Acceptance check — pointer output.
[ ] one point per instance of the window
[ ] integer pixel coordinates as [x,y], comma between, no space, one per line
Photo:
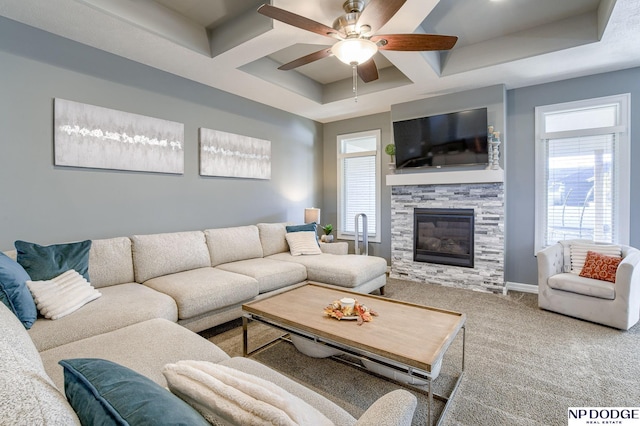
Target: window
[582,171]
[359,183]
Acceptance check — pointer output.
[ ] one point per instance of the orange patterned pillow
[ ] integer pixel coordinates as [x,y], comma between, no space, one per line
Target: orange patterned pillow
[600,267]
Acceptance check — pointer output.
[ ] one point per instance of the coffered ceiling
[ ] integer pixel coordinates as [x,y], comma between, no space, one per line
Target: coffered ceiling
[226,44]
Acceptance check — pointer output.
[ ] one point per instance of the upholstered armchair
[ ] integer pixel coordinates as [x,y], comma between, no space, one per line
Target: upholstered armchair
[612,304]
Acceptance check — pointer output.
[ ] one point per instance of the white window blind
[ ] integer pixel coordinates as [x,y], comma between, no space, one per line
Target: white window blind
[582,171]
[359,183]
[581,191]
[359,195]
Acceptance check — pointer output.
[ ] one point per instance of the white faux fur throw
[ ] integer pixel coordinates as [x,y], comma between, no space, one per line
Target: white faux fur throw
[62,295]
[220,392]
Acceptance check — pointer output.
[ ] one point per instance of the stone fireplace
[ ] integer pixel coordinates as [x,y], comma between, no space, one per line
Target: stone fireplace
[419,244]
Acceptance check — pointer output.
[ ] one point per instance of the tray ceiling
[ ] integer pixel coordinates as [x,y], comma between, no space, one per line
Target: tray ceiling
[226,44]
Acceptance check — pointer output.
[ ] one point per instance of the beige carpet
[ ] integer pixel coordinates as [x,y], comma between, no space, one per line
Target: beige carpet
[523,366]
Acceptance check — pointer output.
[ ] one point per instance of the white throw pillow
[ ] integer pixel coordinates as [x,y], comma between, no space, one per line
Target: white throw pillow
[62,295]
[302,242]
[579,253]
[222,393]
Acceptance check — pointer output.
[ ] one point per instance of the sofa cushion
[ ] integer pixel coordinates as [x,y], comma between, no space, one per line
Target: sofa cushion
[233,244]
[130,346]
[119,306]
[111,262]
[62,295]
[340,248]
[270,274]
[346,271]
[105,393]
[332,411]
[396,407]
[14,292]
[302,243]
[222,393]
[205,289]
[272,238]
[161,254]
[46,262]
[580,285]
[27,394]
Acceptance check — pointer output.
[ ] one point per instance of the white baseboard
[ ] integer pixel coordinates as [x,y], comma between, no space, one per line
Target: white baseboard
[524,288]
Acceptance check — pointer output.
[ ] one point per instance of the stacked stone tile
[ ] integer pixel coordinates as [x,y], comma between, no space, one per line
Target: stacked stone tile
[487,200]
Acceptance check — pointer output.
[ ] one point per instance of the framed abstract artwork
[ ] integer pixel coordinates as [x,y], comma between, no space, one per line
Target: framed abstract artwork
[102,138]
[230,155]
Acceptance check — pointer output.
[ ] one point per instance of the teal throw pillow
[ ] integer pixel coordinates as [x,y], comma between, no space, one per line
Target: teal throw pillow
[302,228]
[104,393]
[46,262]
[14,292]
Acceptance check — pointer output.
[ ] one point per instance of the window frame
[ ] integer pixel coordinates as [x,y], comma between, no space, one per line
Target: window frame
[376,133]
[622,155]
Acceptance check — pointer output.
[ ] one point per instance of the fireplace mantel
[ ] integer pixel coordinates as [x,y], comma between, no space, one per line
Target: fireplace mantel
[443,178]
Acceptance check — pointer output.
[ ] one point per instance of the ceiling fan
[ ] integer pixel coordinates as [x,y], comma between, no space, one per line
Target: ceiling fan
[355,31]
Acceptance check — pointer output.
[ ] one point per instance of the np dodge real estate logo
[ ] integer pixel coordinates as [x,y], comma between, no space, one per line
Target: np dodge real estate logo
[626,416]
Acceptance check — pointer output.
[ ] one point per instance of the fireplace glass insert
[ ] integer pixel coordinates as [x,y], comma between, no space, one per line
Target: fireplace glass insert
[443,236]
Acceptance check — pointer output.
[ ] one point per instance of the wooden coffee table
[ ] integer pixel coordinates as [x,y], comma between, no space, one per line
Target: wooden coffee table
[405,337]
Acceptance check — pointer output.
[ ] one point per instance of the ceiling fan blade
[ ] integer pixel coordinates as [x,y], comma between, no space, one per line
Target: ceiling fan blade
[414,42]
[368,71]
[307,59]
[379,12]
[298,21]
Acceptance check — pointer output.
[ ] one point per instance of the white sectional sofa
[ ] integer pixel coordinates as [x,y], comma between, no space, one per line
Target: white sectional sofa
[198,279]
[158,289]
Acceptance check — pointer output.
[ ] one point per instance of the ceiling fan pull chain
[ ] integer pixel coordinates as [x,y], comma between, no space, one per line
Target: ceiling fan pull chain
[354,68]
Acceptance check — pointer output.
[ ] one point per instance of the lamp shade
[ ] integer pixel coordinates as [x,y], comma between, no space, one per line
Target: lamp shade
[312,214]
[354,50]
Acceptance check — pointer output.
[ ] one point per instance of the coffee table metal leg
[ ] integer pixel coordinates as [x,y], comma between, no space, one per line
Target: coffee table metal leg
[449,399]
[430,404]
[245,322]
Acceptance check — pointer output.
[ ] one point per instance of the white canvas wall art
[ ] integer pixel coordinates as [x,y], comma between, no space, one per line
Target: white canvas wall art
[96,137]
[231,155]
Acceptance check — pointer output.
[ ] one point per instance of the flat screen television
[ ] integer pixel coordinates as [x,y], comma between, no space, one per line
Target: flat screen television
[455,139]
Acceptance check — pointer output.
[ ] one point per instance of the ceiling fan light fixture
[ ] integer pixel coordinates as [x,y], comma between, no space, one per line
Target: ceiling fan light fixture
[354,50]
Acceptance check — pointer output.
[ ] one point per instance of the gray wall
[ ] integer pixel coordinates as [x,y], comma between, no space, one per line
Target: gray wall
[521,103]
[47,204]
[329,212]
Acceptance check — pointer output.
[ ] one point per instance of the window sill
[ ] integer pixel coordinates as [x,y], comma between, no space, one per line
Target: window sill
[352,238]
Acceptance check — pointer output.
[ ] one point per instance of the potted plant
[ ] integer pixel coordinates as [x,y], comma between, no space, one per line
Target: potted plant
[390,149]
[327,237]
